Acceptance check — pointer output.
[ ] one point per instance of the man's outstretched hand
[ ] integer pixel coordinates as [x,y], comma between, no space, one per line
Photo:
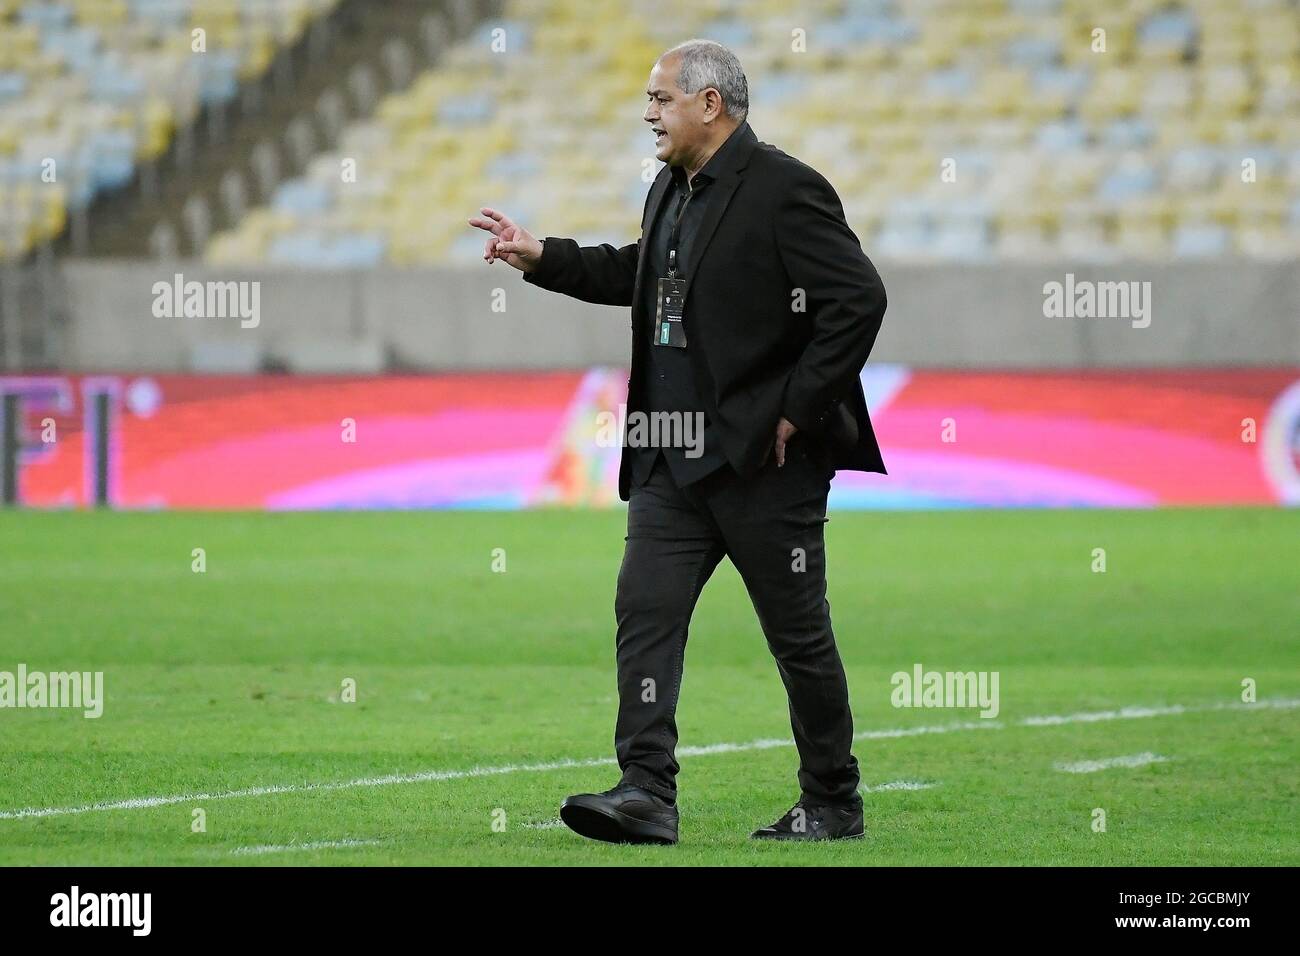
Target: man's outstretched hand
[785,430]
[509,241]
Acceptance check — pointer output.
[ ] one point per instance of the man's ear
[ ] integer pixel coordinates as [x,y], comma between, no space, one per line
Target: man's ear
[712,102]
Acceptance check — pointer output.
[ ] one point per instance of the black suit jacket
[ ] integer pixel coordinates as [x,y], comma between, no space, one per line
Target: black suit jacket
[774,226]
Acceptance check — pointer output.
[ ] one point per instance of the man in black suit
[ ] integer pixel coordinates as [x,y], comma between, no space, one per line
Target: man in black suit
[754,310]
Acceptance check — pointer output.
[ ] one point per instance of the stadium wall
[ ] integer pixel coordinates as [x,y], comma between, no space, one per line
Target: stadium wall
[1215,314]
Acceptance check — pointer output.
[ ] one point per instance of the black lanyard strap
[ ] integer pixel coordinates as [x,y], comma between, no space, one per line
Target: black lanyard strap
[673,234]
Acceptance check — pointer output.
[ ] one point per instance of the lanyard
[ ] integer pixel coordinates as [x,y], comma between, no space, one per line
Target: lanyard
[673,235]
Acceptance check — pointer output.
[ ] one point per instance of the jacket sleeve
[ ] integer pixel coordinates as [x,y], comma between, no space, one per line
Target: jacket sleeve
[842,291]
[601,274]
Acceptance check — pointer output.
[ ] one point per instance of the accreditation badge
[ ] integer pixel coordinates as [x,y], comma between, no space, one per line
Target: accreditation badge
[671,297]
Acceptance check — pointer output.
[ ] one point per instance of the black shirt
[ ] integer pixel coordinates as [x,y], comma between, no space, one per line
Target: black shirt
[667,379]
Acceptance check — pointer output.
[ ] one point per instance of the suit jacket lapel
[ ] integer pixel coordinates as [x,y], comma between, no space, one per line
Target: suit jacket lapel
[729,178]
[727,183]
[726,188]
[658,192]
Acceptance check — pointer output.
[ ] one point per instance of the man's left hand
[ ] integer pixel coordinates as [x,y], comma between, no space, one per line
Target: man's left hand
[785,430]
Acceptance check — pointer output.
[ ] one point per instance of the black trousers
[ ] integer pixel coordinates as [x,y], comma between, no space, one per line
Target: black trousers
[772,528]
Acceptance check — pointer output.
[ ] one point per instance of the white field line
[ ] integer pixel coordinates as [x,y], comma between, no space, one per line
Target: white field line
[289,847]
[1092,766]
[430,776]
[896,785]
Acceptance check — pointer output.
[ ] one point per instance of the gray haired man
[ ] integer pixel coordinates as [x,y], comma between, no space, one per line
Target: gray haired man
[754,310]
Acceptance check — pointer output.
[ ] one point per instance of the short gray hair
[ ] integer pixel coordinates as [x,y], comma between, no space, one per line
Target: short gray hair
[707,63]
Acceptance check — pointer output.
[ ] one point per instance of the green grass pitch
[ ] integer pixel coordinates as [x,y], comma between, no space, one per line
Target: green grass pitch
[230,680]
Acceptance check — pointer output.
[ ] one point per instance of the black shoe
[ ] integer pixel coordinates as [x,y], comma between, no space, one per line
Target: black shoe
[625,814]
[812,822]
